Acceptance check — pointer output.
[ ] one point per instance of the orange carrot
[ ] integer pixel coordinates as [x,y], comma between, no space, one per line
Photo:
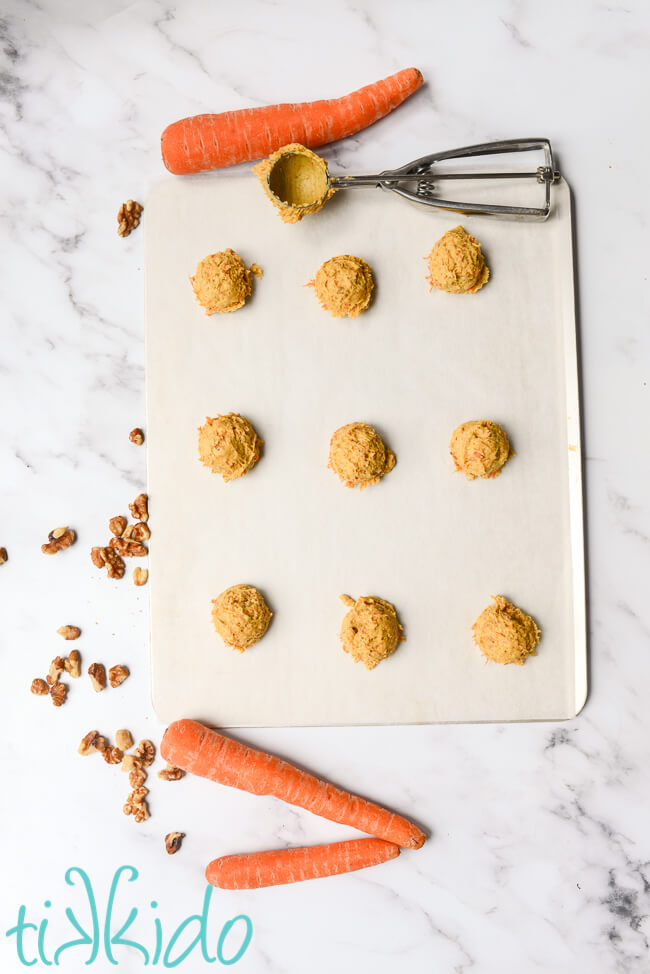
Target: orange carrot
[214,141]
[195,748]
[278,866]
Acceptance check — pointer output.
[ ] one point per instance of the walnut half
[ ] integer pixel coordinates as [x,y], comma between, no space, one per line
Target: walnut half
[128,549]
[171,773]
[97,674]
[88,744]
[69,632]
[128,217]
[58,539]
[136,436]
[39,687]
[117,524]
[173,842]
[3,555]
[72,664]
[58,694]
[117,675]
[145,752]
[57,667]
[139,508]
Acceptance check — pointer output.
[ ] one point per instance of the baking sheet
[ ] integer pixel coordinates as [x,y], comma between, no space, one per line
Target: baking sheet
[415,365]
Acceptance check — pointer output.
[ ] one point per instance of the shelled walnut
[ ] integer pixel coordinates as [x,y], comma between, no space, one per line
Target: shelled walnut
[145,752]
[139,508]
[58,539]
[136,436]
[72,664]
[171,773]
[92,742]
[58,693]
[57,667]
[39,687]
[128,217]
[113,755]
[108,558]
[137,777]
[69,632]
[137,532]
[3,555]
[173,842]
[117,675]
[140,576]
[128,549]
[116,525]
[97,674]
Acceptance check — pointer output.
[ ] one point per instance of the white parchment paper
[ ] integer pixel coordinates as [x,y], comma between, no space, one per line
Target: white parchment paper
[415,365]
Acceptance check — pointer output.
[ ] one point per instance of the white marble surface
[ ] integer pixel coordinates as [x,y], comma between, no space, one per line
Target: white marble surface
[539,849]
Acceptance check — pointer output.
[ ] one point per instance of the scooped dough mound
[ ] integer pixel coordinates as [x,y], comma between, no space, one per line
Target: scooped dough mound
[240,616]
[223,282]
[456,263]
[480,448]
[370,631]
[229,445]
[358,456]
[344,286]
[505,634]
[295,179]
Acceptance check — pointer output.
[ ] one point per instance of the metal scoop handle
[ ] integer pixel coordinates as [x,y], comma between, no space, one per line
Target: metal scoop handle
[421,172]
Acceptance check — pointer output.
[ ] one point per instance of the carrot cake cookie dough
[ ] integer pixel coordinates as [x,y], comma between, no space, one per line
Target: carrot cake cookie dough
[358,456]
[241,616]
[370,630]
[480,448]
[505,634]
[229,445]
[456,263]
[223,282]
[296,181]
[344,286]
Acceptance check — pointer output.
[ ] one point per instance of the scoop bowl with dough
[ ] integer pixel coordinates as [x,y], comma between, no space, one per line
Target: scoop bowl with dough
[296,181]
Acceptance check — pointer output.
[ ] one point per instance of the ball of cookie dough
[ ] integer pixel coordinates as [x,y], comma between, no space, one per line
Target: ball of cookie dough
[241,616]
[229,445]
[358,456]
[370,630]
[480,448]
[223,282]
[344,286]
[505,634]
[456,263]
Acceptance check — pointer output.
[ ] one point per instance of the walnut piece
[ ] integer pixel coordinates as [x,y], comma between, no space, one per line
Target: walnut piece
[136,804]
[97,674]
[137,777]
[137,532]
[3,555]
[141,813]
[171,773]
[113,755]
[58,693]
[140,576]
[69,632]
[58,539]
[57,667]
[136,436]
[173,842]
[107,557]
[128,217]
[128,549]
[88,744]
[116,525]
[145,752]
[39,687]
[139,508]
[123,739]
[117,674]
[72,664]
